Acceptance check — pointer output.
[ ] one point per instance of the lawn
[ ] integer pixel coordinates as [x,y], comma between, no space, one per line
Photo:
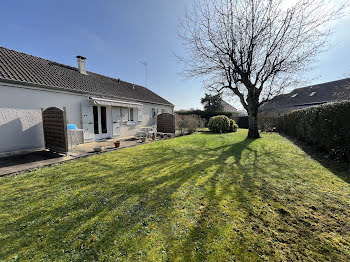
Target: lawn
[193,198]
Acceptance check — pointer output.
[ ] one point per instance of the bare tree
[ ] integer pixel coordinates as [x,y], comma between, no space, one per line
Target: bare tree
[255,48]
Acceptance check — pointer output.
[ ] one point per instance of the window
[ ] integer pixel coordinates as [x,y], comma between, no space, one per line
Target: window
[95,112]
[103,119]
[313,93]
[131,115]
[153,112]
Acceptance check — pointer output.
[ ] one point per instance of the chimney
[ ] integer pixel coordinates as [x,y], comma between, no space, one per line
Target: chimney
[81,64]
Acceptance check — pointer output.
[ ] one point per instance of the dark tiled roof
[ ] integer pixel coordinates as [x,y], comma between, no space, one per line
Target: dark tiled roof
[311,95]
[25,68]
[227,107]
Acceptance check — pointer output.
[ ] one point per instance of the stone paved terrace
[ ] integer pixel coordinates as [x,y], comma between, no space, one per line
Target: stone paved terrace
[29,161]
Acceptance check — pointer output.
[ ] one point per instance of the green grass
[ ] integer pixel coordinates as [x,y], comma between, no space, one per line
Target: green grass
[193,198]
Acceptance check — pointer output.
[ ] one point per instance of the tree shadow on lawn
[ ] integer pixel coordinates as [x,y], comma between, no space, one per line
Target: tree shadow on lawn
[98,200]
[279,222]
[229,201]
[340,168]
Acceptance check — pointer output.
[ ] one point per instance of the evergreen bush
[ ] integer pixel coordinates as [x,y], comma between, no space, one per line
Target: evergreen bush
[219,124]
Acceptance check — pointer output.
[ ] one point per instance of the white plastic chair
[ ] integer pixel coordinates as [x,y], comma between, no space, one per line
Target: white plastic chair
[72,128]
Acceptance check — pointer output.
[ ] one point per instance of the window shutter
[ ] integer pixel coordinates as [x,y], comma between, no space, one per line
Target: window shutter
[87,121]
[139,114]
[125,114]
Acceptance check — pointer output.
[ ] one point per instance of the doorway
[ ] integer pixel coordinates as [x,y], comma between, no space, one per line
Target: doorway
[101,120]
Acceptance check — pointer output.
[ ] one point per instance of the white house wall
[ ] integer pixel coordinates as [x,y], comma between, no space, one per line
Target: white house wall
[147,120]
[20,115]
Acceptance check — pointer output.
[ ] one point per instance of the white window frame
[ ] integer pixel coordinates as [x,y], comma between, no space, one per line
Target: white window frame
[131,115]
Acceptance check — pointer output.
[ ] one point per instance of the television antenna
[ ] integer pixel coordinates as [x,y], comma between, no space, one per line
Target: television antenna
[146,69]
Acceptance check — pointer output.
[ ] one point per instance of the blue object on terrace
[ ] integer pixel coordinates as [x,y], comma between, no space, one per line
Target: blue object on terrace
[72,127]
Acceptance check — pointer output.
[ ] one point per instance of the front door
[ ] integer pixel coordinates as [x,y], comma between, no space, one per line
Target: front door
[101,127]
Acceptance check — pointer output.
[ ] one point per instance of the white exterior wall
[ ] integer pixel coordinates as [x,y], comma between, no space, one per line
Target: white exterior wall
[20,115]
[147,120]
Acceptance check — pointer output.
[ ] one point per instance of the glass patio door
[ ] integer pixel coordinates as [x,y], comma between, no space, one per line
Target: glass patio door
[100,122]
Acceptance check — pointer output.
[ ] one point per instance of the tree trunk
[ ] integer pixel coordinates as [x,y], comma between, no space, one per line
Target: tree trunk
[253,124]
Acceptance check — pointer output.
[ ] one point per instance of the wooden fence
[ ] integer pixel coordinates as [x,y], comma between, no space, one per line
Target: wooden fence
[55,129]
[166,123]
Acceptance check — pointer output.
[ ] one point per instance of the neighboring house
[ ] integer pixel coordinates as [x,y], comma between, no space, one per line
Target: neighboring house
[103,106]
[226,107]
[308,96]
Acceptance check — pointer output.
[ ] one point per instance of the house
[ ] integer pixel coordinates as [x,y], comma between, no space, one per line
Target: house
[308,96]
[102,106]
[226,107]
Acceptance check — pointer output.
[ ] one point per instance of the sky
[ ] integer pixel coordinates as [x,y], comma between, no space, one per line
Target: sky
[116,35]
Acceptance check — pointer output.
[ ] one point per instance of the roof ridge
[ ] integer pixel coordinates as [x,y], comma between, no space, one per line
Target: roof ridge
[116,79]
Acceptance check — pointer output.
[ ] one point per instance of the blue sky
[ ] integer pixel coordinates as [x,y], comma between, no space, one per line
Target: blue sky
[116,35]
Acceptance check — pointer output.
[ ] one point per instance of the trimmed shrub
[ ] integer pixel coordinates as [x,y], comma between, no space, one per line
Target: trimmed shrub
[219,124]
[233,126]
[326,126]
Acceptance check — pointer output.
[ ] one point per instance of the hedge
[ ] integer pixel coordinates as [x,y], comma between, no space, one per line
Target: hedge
[326,126]
[243,122]
[205,114]
[188,123]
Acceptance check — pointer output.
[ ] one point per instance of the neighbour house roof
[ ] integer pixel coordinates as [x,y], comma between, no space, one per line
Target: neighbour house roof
[311,95]
[242,112]
[227,107]
[27,69]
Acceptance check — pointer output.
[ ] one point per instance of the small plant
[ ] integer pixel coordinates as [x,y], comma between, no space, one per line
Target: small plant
[116,143]
[98,149]
[219,124]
